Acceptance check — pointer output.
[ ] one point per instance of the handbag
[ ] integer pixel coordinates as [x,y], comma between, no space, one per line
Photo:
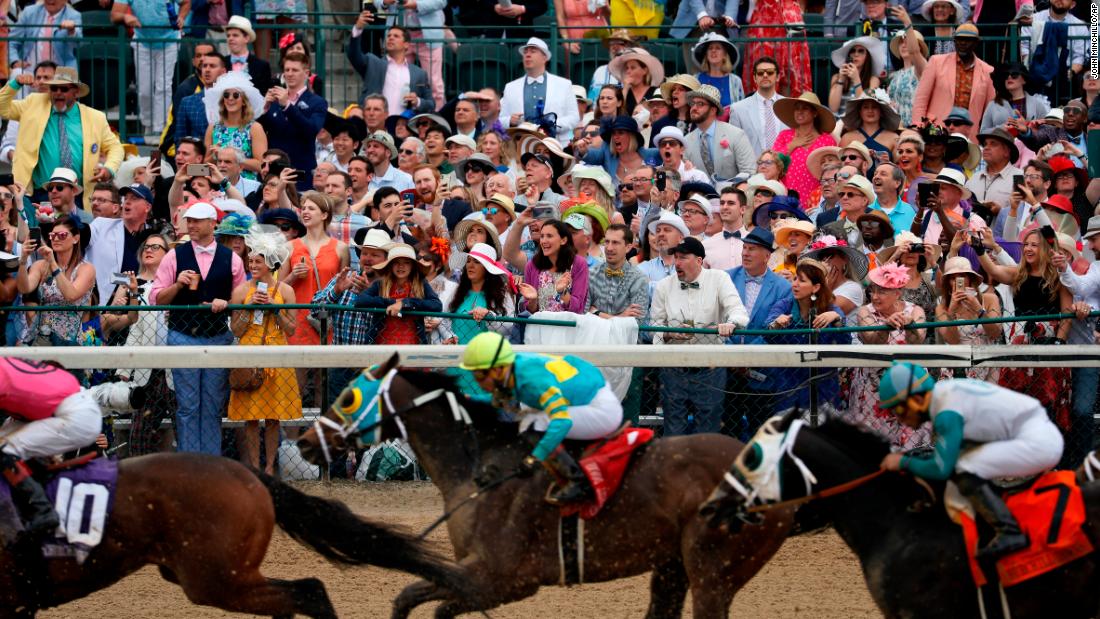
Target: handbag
[249,379]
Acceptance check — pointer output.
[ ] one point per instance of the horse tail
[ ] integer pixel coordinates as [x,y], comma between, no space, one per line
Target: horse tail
[331,529]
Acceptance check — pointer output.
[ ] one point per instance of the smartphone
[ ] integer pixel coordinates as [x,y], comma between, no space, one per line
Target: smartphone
[1017,180]
[7,179]
[925,191]
[960,283]
[542,210]
[198,169]
[367,5]
[36,235]
[1055,149]
[275,168]
[120,279]
[409,195]
[662,180]
[1049,234]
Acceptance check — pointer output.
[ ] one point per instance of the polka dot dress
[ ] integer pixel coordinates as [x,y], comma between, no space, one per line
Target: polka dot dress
[798,176]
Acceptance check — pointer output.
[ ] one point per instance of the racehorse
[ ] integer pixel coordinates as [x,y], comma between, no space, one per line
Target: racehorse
[506,539]
[913,560]
[206,522]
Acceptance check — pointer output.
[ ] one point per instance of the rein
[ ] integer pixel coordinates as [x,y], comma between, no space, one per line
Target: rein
[824,494]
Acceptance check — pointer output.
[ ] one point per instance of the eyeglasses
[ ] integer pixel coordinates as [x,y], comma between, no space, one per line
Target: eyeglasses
[285,226]
[154,246]
[851,157]
[231,94]
[407,151]
[779,215]
[490,210]
[692,211]
[60,88]
[765,162]
[637,182]
[765,72]
[57,187]
[699,103]
[956,123]
[60,235]
[828,180]
[848,194]
[1033,177]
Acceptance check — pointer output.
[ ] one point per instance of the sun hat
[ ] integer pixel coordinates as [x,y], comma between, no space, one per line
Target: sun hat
[384,139]
[761,238]
[1069,244]
[1003,136]
[477,218]
[959,144]
[583,206]
[784,229]
[487,256]
[968,31]
[234,80]
[926,10]
[680,79]
[874,49]
[580,94]
[886,254]
[538,44]
[656,70]
[860,148]
[621,34]
[758,181]
[65,176]
[958,266]
[690,187]
[1093,227]
[709,93]
[829,244]
[234,224]
[954,178]
[434,119]
[477,160]
[372,238]
[201,210]
[242,23]
[231,205]
[622,123]
[778,204]
[1061,163]
[487,350]
[699,51]
[890,120]
[271,215]
[501,200]
[401,250]
[895,43]
[901,380]
[1055,114]
[699,200]
[860,182]
[815,163]
[462,140]
[1059,202]
[669,219]
[595,173]
[890,276]
[67,76]
[784,110]
[125,175]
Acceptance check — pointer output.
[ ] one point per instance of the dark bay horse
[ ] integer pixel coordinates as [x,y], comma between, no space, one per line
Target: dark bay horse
[506,540]
[913,560]
[206,522]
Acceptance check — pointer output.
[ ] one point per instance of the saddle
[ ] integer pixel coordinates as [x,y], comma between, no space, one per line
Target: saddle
[605,463]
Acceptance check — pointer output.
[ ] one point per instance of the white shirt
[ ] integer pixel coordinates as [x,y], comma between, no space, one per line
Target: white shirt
[722,253]
[396,85]
[715,301]
[994,187]
[393,177]
[1084,288]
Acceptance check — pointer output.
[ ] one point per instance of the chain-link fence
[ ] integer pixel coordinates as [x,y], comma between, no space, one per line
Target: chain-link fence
[256,413]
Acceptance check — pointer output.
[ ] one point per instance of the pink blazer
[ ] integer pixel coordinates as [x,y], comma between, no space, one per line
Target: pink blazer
[936,91]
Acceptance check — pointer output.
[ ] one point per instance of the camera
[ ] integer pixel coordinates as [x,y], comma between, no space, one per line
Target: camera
[662,180]
[120,279]
[916,248]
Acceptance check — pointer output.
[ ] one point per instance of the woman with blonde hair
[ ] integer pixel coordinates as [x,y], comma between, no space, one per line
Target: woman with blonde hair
[500,150]
[232,106]
[640,72]
[716,55]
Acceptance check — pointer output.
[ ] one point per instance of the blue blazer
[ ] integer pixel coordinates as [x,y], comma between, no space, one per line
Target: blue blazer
[22,46]
[602,157]
[687,16]
[294,130]
[774,289]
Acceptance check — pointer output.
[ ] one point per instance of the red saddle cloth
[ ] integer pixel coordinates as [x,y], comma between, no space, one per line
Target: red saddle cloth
[605,464]
[1052,513]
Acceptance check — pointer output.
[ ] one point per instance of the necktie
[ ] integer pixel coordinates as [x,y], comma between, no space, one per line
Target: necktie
[614,272]
[688,286]
[731,235]
[66,153]
[708,159]
[769,123]
[752,291]
[206,250]
[45,46]
[240,63]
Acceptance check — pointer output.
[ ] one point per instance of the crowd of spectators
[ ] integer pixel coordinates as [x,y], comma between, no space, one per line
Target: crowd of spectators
[925,182]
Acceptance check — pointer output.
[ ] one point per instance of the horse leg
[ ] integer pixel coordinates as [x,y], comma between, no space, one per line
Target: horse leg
[667,588]
[269,596]
[453,607]
[414,595]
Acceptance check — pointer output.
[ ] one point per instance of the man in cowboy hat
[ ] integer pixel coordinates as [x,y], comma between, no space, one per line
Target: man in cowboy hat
[238,34]
[955,79]
[404,85]
[755,114]
[539,93]
[156,48]
[46,118]
[993,185]
[718,148]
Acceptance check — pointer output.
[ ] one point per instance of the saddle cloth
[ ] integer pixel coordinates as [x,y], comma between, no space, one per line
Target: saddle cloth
[83,497]
[605,464]
[1051,512]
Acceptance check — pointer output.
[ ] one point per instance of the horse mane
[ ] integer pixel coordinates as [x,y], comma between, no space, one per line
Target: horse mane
[862,445]
[484,415]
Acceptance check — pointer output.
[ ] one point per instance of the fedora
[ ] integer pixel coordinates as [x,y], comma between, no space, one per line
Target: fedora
[66,76]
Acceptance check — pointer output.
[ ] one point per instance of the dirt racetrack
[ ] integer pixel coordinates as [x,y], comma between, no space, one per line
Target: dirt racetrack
[815,576]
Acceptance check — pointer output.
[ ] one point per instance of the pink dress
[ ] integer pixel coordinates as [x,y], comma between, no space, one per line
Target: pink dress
[793,54]
[799,177]
[578,19]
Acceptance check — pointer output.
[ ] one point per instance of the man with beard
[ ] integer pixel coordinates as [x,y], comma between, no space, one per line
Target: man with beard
[956,79]
[718,148]
[380,152]
[427,180]
[1049,65]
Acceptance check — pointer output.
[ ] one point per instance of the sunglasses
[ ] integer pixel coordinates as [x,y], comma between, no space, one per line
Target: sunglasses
[285,227]
[767,193]
[156,246]
[56,187]
[848,194]
[6,196]
[407,151]
[490,211]
[779,215]
[591,134]
[851,157]
[60,88]
[765,162]
[1015,74]
[956,123]
[231,94]
[60,235]
[765,72]
[871,225]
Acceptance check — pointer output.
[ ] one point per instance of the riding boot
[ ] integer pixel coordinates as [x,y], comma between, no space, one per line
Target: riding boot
[576,488]
[988,504]
[39,513]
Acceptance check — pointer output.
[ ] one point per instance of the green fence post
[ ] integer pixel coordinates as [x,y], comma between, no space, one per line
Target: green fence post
[122,46]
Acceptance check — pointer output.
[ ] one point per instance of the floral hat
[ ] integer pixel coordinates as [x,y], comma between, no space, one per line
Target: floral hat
[827,244]
[890,276]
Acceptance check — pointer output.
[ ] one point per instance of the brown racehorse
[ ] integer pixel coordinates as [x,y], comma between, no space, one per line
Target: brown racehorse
[206,522]
[506,539]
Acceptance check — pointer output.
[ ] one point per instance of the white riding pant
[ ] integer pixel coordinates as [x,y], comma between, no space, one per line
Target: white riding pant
[600,417]
[76,423]
[1037,447]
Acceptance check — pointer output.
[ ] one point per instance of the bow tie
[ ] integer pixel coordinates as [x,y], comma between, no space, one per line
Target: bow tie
[536,80]
[731,235]
[758,280]
[688,286]
[240,59]
[206,250]
[614,272]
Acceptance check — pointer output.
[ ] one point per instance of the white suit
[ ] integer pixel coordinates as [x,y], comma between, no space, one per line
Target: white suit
[559,100]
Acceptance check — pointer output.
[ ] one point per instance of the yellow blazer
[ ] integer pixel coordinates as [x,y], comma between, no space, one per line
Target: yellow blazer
[33,113]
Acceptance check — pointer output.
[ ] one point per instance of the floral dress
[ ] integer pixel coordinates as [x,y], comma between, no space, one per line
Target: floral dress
[793,55]
[902,88]
[237,137]
[65,327]
[1051,386]
[859,387]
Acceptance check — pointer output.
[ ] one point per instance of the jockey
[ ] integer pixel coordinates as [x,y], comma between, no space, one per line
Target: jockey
[48,414]
[1014,436]
[571,393]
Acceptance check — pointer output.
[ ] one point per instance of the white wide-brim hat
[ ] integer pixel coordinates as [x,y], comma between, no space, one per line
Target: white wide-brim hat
[874,49]
[234,80]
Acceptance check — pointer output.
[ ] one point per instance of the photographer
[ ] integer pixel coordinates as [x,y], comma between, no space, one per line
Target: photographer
[1025,198]
[201,179]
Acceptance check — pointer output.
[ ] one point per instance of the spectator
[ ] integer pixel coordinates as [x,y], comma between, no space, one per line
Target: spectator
[190,117]
[230,160]
[500,151]
[717,56]
[855,197]
[962,297]
[860,62]
[1042,43]
[1026,200]
[60,276]
[793,53]
[373,113]
[435,139]
[63,189]
[724,249]
[380,151]
[755,115]
[295,42]
[917,258]
[718,148]
[286,220]
[51,125]
[277,398]
[113,243]
[992,186]
[877,233]
[872,122]
[811,128]
[1010,100]
[617,42]
[908,45]
[426,180]
[320,175]
[556,278]
[1072,132]
[408,88]
[401,286]
[792,237]
[694,298]
[617,288]
[665,233]
[675,92]
[347,135]
[315,258]
[772,165]
[908,156]
[411,154]
[496,21]
[539,174]
[1069,181]
[238,34]
[809,306]
[43,73]
[105,201]
[640,73]
[466,120]
[232,107]
[944,16]
[887,183]
[156,47]
[483,292]
[231,231]
[473,171]
[847,268]
[293,117]
[885,309]
[955,79]
[199,272]
[48,30]
[947,208]
[539,93]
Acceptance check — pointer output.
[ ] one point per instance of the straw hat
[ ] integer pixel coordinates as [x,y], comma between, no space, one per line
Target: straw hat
[890,120]
[973,152]
[874,48]
[66,76]
[595,173]
[829,244]
[401,250]
[860,148]
[815,162]
[958,266]
[241,23]
[125,175]
[234,80]
[621,34]
[502,201]
[784,111]
[462,230]
[638,54]
[787,226]
[953,178]
[680,79]
[710,94]
[895,43]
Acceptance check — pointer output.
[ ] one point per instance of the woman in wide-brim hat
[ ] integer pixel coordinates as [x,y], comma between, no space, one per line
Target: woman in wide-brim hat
[822,157]
[675,91]
[860,63]
[962,151]
[594,181]
[811,125]
[1011,83]
[870,120]
[717,57]
[943,16]
[402,286]
[908,45]
[232,106]
[848,268]
[640,73]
